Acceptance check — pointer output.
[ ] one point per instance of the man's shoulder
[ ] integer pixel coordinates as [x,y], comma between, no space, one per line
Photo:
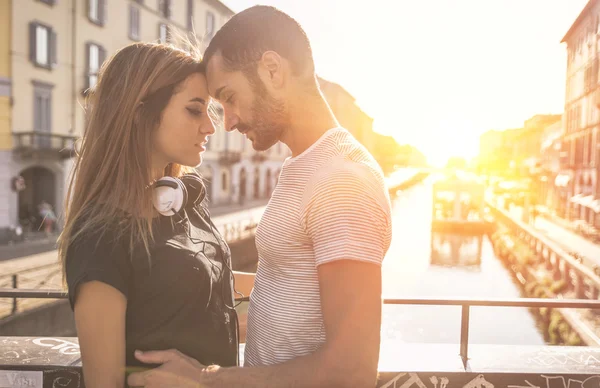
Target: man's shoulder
[351,169]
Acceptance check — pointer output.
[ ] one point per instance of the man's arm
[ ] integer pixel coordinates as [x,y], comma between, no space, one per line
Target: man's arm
[351,304]
[244,282]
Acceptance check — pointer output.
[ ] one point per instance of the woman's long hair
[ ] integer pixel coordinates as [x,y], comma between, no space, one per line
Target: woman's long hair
[113,168]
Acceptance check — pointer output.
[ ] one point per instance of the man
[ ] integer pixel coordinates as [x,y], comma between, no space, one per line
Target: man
[315,310]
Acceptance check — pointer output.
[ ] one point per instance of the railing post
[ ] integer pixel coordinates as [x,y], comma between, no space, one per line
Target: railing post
[464,334]
[14,285]
[551,257]
[557,272]
[579,286]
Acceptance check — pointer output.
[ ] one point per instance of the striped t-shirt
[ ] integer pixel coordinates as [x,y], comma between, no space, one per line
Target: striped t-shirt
[330,203]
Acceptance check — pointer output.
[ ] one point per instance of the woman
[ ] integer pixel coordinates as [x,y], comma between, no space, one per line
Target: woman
[140,279]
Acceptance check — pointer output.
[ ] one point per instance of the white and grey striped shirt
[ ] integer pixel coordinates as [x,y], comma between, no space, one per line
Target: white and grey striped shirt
[330,203]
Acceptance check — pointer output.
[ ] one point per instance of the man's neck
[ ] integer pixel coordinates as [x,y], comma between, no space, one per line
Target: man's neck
[311,117]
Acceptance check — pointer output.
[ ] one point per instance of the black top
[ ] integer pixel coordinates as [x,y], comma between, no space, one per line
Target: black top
[181,298]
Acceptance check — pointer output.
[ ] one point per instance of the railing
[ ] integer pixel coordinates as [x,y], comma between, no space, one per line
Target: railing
[31,278]
[578,277]
[230,157]
[37,141]
[259,157]
[465,305]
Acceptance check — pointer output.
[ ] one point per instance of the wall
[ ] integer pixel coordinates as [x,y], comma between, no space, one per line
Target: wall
[53,319]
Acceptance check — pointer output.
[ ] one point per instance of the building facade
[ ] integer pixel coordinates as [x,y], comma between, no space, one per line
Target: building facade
[582,118]
[554,181]
[50,55]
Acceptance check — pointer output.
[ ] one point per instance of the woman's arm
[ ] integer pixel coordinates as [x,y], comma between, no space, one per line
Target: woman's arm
[100,320]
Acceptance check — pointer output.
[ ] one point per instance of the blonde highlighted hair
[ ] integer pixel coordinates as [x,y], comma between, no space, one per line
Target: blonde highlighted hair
[113,167]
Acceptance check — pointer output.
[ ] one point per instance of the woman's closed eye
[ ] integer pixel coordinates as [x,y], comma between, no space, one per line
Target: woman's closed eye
[194,111]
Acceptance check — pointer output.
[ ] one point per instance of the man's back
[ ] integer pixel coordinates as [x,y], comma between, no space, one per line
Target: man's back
[301,230]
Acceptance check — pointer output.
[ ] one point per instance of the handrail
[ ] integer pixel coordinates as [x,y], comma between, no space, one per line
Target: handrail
[465,303]
[497,302]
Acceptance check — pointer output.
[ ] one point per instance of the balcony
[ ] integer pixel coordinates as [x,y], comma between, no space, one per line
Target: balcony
[229,157]
[259,157]
[43,145]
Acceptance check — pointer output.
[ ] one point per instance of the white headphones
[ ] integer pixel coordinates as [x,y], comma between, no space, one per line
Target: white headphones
[170,195]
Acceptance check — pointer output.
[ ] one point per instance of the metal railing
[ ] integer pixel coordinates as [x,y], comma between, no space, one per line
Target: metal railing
[464,303]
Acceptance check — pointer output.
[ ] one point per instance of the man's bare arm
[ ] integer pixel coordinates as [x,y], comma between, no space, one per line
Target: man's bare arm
[244,282]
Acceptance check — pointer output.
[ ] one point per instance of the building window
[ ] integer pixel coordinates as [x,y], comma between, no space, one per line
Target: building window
[190,14]
[163,33]
[97,11]
[134,22]
[210,24]
[164,8]
[224,181]
[96,55]
[42,112]
[42,45]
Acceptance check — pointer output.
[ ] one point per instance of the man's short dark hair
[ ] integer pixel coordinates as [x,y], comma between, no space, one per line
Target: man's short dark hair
[249,34]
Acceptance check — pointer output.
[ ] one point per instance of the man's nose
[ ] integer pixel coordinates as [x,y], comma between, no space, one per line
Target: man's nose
[230,122]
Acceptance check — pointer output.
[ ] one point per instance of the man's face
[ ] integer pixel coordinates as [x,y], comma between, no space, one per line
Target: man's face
[248,106]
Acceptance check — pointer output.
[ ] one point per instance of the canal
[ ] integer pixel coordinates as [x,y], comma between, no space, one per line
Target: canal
[459,268]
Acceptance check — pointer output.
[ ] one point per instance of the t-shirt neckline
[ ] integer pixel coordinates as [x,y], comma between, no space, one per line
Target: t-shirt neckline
[289,160]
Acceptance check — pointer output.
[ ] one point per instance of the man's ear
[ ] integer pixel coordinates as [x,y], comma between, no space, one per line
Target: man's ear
[272,68]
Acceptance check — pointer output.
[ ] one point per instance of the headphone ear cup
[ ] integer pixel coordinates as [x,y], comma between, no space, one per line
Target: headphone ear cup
[168,196]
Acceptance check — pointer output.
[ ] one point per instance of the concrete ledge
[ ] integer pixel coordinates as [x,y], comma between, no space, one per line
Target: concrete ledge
[57,362]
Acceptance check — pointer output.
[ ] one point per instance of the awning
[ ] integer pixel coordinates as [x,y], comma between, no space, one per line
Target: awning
[562,180]
[595,206]
[576,198]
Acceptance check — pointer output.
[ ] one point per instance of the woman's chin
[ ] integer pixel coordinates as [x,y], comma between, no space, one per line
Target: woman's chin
[191,162]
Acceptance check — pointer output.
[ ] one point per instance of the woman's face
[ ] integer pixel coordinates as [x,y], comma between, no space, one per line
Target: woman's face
[185,125]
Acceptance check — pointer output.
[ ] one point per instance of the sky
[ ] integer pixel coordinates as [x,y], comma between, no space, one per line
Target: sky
[437,73]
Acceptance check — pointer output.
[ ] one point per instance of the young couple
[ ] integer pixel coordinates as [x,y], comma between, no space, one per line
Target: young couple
[149,275]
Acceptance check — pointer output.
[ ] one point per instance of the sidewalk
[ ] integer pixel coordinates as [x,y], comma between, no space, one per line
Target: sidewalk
[38,245]
[236,207]
[567,239]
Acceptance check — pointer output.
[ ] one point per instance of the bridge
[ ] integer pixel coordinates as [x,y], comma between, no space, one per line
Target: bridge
[447,321]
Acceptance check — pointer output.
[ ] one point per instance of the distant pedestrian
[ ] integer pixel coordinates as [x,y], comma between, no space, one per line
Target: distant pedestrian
[48,217]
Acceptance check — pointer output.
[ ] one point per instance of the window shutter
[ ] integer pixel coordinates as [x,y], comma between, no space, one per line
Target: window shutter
[190,16]
[52,48]
[102,11]
[32,42]
[86,83]
[131,21]
[101,56]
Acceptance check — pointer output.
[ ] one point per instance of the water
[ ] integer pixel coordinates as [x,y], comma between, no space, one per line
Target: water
[408,272]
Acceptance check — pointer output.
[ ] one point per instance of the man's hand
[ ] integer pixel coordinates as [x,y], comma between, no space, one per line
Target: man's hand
[177,370]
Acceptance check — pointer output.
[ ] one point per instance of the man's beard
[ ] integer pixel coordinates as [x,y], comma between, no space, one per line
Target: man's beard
[270,119]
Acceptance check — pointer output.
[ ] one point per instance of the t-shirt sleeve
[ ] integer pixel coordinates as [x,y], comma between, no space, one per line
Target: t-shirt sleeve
[98,256]
[348,214]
